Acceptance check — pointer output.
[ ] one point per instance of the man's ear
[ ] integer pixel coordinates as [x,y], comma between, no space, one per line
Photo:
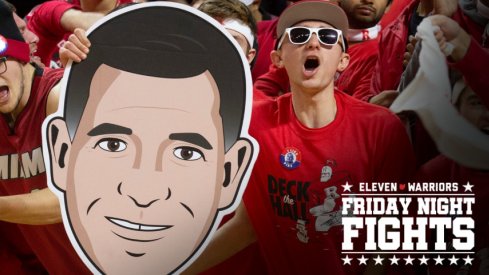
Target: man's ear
[276,59]
[236,162]
[59,146]
[344,61]
[251,55]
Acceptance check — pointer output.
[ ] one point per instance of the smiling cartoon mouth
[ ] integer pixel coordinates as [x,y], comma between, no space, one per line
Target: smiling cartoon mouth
[137,226]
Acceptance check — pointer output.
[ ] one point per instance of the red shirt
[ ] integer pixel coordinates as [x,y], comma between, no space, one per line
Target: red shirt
[23,171]
[443,169]
[355,80]
[266,44]
[16,257]
[474,68]
[292,201]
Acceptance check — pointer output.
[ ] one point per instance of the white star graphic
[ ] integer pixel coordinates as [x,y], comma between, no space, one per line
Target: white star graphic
[438,260]
[468,187]
[347,260]
[453,260]
[347,186]
[409,260]
[423,260]
[394,260]
[378,260]
[468,260]
[363,260]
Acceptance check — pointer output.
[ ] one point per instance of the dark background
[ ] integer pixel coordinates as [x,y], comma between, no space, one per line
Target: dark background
[24,6]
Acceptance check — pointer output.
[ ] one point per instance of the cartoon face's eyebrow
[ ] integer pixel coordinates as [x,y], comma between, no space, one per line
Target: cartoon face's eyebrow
[193,138]
[109,128]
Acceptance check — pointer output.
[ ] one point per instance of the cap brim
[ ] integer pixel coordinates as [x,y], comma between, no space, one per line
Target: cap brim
[313,10]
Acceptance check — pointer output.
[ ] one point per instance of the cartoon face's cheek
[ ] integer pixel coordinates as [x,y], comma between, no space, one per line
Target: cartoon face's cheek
[145,188]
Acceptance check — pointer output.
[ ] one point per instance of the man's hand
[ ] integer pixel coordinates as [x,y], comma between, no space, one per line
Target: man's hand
[76,48]
[450,31]
[409,50]
[385,98]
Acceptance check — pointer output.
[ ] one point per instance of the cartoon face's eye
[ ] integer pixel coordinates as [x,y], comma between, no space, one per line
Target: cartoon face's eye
[188,153]
[112,145]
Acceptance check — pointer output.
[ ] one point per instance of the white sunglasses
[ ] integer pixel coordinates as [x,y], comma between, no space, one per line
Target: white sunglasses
[300,36]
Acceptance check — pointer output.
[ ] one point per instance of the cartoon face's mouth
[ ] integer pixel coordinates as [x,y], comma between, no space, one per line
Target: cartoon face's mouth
[137,226]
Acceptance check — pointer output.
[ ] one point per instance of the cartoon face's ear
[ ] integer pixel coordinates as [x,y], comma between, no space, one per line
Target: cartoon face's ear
[59,145]
[236,161]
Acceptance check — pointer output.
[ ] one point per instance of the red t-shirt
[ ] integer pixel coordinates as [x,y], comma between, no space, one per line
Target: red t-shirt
[394,11]
[355,80]
[266,43]
[16,257]
[23,171]
[294,194]
[443,169]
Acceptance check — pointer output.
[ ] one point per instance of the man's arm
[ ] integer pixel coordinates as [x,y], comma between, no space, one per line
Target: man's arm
[231,238]
[53,100]
[35,208]
[467,56]
[38,207]
[52,21]
[73,18]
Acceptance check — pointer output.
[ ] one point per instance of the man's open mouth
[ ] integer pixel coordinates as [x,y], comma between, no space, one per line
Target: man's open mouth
[137,226]
[311,63]
[4,92]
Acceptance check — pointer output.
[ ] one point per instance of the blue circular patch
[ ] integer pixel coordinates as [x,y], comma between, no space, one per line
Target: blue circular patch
[290,158]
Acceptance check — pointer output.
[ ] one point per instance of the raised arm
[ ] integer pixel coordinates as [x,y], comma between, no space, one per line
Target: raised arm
[35,208]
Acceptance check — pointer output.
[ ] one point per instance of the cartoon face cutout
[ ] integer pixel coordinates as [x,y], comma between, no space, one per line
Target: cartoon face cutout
[146,172]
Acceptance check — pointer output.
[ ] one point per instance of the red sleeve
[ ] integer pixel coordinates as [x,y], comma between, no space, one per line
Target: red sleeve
[474,68]
[45,22]
[398,161]
[376,78]
[394,11]
[273,83]
[266,43]
[362,90]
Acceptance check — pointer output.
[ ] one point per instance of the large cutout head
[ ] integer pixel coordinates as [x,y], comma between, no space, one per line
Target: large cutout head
[152,146]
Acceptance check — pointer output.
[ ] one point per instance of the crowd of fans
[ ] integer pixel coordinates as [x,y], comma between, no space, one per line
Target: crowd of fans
[324,76]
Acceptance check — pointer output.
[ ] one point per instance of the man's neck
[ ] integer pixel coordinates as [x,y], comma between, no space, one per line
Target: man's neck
[314,110]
